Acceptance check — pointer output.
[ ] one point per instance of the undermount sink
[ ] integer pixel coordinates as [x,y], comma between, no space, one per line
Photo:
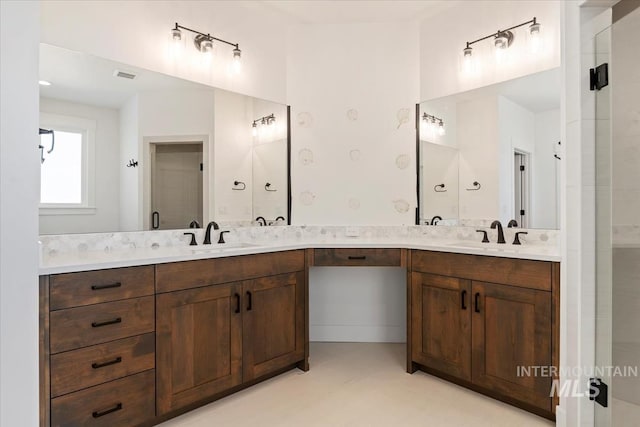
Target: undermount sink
[479,245]
[222,247]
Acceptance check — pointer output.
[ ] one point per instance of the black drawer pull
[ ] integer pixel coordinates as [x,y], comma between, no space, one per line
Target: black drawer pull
[103,364]
[477,302]
[106,322]
[249,302]
[237,303]
[463,299]
[98,414]
[357,257]
[109,286]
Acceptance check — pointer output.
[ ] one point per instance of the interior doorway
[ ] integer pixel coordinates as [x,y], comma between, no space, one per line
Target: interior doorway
[522,188]
[176,185]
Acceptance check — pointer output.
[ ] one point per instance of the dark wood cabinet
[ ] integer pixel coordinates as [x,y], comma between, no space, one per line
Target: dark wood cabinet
[198,344]
[481,334]
[511,330]
[441,317]
[273,324]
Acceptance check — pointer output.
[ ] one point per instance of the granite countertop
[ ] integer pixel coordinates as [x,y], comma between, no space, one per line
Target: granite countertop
[71,261]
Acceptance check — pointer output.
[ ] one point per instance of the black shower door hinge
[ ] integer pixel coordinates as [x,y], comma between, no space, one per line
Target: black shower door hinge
[599,77]
[599,391]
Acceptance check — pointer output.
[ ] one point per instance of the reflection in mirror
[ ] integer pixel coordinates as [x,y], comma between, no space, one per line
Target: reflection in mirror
[496,154]
[139,150]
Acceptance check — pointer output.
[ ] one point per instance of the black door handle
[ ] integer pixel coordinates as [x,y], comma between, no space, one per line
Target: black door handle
[477,302]
[98,414]
[109,286]
[103,364]
[106,323]
[357,257]
[155,220]
[237,303]
[249,304]
[463,298]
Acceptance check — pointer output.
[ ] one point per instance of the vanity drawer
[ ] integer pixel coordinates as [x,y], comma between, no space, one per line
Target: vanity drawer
[129,401]
[94,324]
[93,287]
[192,274]
[90,366]
[357,257]
[507,271]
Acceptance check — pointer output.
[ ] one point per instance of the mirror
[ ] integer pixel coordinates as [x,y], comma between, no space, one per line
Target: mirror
[492,153]
[137,150]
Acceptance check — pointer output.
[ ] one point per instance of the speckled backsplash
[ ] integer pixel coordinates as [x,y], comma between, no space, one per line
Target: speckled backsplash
[106,242]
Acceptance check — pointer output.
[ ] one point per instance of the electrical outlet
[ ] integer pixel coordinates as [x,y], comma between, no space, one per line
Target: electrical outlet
[352,232]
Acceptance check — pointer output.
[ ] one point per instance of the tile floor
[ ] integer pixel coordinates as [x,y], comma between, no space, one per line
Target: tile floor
[357,384]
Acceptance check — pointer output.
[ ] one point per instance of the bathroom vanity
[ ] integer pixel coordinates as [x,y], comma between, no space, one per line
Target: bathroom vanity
[128,341]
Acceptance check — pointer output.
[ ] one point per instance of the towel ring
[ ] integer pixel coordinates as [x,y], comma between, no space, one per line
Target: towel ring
[476,186]
[267,187]
[440,187]
[237,183]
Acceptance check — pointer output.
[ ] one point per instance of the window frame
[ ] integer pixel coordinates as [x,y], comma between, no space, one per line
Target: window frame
[87,128]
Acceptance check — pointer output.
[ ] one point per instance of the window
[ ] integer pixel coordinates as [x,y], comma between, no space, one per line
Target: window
[67,173]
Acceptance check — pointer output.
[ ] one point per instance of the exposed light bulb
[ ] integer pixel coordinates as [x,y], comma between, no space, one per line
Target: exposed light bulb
[467,59]
[501,43]
[176,43]
[254,130]
[44,83]
[237,63]
[441,130]
[535,38]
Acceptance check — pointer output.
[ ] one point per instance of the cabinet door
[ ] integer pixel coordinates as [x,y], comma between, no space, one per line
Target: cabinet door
[198,344]
[273,324]
[441,324]
[512,329]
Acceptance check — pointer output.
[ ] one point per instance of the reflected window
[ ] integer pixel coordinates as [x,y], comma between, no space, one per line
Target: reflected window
[66,174]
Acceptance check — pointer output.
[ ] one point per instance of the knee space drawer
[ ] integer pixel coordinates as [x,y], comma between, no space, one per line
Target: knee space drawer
[353,257]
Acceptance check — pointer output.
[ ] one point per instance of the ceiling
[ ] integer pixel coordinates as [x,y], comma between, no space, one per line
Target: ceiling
[87,79]
[359,11]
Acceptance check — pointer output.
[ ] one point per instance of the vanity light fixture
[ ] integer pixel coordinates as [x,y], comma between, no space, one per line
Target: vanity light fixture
[434,124]
[502,39]
[204,43]
[263,121]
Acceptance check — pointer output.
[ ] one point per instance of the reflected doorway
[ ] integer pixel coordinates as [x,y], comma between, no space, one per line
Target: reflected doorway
[176,185]
[521,187]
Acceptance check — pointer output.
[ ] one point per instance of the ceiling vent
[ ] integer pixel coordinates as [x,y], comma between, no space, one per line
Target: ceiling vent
[124,74]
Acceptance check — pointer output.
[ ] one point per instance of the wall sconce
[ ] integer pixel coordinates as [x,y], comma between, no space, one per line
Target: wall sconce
[262,121]
[502,39]
[204,43]
[433,124]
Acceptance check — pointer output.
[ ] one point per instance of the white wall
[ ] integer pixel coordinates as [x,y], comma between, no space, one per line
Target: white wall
[19,196]
[130,178]
[107,166]
[478,141]
[545,192]
[347,85]
[440,165]
[137,33]
[232,156]
[443,36]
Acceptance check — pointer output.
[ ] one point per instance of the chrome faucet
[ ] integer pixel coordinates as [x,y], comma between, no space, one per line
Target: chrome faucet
[498,224]
[261,220]
[207,235]
[435,219]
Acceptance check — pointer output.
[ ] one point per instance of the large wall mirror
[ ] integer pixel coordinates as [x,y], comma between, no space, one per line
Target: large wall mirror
[137,150]
[492,153]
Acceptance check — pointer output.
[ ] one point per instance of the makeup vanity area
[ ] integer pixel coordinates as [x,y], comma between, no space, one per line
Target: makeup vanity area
[137,326]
